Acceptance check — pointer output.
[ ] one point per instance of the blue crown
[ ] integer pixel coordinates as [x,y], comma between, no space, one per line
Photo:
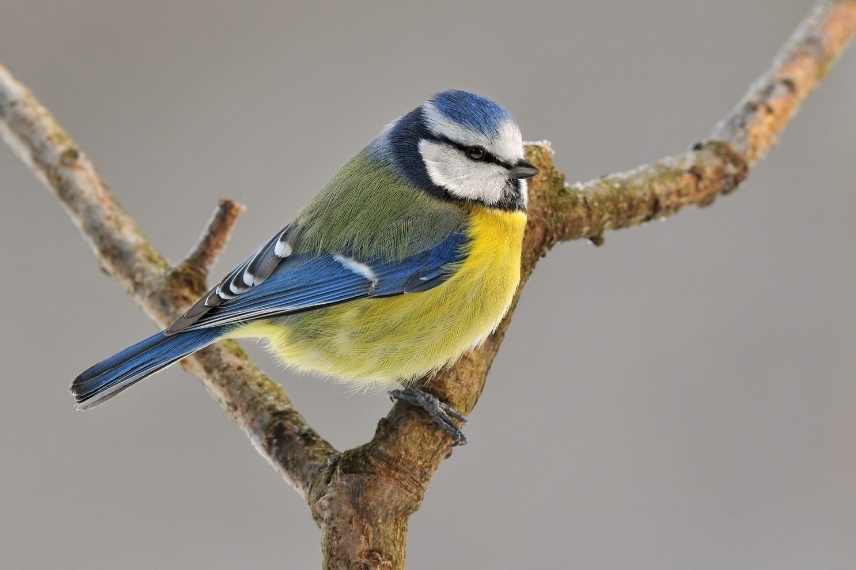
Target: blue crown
[471,110]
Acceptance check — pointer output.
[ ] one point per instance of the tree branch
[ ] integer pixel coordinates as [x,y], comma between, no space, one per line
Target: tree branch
[256,403]
[362,498]
[720,164]
[386,479]
[214,237]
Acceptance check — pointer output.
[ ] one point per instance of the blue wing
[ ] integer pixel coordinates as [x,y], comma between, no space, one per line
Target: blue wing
[301,282]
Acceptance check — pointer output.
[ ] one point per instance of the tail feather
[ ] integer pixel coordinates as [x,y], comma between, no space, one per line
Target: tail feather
[124,369]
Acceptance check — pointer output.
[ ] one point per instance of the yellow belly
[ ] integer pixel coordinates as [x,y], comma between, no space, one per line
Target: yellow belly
[407,336]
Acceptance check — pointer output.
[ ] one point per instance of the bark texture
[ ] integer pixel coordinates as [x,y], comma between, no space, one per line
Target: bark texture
[362,498]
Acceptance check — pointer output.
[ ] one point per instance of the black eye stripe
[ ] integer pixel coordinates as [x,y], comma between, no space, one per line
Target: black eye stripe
[488,157]
[476,153]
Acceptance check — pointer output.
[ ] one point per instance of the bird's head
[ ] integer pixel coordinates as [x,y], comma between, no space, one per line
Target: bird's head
[460,146]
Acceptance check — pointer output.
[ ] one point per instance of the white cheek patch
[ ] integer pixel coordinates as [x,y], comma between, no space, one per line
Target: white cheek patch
[460,176]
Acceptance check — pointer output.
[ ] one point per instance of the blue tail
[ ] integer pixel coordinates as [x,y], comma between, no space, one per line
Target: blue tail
[124,369]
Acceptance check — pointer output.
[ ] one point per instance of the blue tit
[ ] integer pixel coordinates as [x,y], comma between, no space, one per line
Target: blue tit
[408,258]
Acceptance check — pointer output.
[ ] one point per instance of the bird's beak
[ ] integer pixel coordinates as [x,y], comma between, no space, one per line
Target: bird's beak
[522,170]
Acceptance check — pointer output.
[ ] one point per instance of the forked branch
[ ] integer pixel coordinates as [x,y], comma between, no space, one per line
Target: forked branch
[256,403]
[362,498]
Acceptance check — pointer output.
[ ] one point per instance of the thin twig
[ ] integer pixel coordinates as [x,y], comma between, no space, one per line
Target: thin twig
[363,497]
[753,127]
[215,236]
[718,165]
[256,403]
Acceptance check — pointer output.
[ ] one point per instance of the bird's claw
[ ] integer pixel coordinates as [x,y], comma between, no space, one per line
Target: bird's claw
[442,414]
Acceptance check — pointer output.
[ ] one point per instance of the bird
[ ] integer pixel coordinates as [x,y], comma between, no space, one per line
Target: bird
[407,259]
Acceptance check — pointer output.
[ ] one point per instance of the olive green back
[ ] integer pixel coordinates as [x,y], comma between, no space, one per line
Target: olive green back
[368,211]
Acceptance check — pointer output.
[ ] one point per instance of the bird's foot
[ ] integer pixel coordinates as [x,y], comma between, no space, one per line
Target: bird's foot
[442,414]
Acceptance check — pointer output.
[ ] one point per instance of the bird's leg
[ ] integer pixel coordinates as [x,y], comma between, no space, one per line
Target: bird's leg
[441,413]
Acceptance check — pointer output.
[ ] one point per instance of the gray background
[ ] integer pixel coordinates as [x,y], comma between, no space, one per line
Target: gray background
[680,398]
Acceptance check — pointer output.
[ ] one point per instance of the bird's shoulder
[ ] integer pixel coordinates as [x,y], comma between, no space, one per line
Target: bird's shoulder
[367,224]
[370,210]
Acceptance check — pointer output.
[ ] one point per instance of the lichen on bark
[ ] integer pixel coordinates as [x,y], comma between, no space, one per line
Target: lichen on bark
[362,498]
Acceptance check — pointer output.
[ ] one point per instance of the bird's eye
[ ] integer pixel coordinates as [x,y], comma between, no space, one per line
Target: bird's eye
[476,153]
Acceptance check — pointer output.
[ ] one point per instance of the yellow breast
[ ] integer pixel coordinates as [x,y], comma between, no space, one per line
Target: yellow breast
[404,337]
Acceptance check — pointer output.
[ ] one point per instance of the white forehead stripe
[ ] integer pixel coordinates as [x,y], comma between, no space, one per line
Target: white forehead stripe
[507,145]
[443,126]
